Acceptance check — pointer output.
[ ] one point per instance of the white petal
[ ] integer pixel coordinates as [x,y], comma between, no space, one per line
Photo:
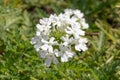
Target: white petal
[69,54]
[52,39]
[44,47]
[85,25]
[42,54]
[50,49]
[48,61]
[84,48]
[76,36]
[33,41]
[80,32]
[65,43]
[55,61]
[57,54]
[80,47]
[38,45]
[38,26]
[38,33]
[44,41]
[69,32]
[64,58]
[77,47]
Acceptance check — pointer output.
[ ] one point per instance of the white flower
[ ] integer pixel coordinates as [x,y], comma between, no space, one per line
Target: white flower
[60,36]
[80,44]
[55,20]
[64,19]
[48,45]
[68,12]
[50,59]
[67,40]
[42,53]
[65,57]
[75,31]
[65,53]
[36,41]
[78,14]
[84,24]
[42,28]
[45,22]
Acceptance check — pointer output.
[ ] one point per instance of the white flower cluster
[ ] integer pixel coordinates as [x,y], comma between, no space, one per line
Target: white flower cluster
[60,36]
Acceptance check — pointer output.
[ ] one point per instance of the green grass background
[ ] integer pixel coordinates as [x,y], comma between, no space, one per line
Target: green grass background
[20,61]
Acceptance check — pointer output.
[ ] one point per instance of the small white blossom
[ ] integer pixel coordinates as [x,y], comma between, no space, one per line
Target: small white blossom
[84,24]
[36,41]
[65,53]
[75,31]
[80,44]
[60,36]
[67,40]
[78,14]
[50,58]
[48,45]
